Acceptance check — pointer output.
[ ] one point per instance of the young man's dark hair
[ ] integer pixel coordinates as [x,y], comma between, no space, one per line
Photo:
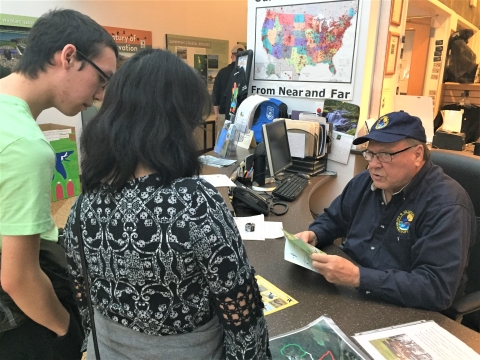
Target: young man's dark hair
[71,27]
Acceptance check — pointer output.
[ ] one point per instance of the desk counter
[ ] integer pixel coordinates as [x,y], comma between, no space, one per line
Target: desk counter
[350,310]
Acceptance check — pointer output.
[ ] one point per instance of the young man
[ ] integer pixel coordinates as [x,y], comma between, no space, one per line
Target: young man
[408,226]
[67,63]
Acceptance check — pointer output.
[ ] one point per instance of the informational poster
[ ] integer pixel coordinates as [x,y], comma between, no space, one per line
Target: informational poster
[304,49]
[13,37]
[130,41]
[206,55]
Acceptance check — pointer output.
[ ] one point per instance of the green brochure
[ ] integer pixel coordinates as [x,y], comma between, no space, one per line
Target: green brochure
[309,249]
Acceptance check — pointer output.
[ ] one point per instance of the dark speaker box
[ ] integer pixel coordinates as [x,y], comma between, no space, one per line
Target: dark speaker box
[448,140]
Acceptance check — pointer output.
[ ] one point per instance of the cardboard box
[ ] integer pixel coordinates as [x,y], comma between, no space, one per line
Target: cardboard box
[66,177]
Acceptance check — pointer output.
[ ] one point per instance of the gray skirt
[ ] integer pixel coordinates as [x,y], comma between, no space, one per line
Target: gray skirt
[117,342]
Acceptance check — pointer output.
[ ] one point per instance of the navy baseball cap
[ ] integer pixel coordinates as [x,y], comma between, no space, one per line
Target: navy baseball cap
[393,127]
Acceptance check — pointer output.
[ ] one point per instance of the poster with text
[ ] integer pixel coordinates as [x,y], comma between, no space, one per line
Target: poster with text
[304,49]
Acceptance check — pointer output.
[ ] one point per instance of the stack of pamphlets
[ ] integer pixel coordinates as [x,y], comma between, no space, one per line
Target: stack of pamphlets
[215,161]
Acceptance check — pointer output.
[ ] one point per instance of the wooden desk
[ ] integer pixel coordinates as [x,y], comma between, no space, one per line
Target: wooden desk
[350,310]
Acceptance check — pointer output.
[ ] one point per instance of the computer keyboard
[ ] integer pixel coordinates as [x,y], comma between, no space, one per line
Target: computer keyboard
[290,187]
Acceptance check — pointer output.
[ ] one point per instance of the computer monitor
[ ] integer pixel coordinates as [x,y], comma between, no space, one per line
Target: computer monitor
[277,147]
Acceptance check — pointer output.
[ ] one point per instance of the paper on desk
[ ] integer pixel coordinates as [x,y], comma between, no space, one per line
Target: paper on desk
[452,120]
[298,252]
[296,142]
[273,229]
[425,339]
[258,233]
[215,161]
[218,180]
[340,147]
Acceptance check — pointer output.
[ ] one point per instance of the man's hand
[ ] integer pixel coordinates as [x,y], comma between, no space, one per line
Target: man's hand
[27,284]
[336,269]
[308,236]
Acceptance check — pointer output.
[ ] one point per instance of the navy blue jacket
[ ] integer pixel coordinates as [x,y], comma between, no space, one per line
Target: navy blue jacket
[411,251]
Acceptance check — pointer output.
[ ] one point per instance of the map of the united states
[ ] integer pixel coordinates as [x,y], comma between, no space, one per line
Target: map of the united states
[309,38]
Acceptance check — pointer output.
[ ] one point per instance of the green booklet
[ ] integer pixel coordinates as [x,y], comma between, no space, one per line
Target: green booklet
[309,249]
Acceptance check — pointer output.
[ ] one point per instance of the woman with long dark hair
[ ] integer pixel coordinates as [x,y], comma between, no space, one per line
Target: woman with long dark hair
[169,276]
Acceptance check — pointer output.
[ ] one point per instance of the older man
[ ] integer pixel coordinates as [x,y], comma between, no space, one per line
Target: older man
[408,226]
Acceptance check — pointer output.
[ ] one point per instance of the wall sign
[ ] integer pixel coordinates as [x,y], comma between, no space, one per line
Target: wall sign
[396,12]
[130,41]
[391,55]
[304,50]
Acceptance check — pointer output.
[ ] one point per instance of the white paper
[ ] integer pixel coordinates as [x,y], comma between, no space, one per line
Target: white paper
[258,221]
[340,147]
[273,229]
[425,339]
[247,140]
[296,142]
[452,120]
[297,256]
[421,106]
[51,135]
[218,180]
[312,117]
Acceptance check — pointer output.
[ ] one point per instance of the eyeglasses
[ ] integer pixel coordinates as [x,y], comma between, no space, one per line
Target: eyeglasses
[106,77]
[383,157]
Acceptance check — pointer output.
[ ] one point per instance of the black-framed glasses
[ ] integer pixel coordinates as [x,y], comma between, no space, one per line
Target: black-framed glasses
[96,68]
[382,156]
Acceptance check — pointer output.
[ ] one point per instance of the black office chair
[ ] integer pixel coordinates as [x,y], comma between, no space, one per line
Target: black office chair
[466,171]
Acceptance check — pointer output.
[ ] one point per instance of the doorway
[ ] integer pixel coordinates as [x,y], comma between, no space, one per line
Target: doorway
[414,59]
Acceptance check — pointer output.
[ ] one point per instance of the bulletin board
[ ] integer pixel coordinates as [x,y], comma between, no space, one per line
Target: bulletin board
[206,55]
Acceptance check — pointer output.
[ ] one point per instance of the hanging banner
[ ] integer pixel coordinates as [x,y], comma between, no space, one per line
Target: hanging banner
[130,41]
[305,50]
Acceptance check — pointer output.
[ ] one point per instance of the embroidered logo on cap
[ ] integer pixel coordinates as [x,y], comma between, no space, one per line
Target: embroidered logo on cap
[382,122]
[404,220]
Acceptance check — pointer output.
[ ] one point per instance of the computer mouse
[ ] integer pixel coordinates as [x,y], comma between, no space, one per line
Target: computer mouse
[305,176]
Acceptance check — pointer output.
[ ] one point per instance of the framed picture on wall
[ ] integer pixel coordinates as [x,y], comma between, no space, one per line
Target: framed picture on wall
[396,12]
[393,43]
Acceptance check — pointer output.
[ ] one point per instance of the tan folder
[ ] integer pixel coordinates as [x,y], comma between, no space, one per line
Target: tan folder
[312,134]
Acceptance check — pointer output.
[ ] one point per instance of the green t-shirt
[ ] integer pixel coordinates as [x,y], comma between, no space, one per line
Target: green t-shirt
[27,162]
